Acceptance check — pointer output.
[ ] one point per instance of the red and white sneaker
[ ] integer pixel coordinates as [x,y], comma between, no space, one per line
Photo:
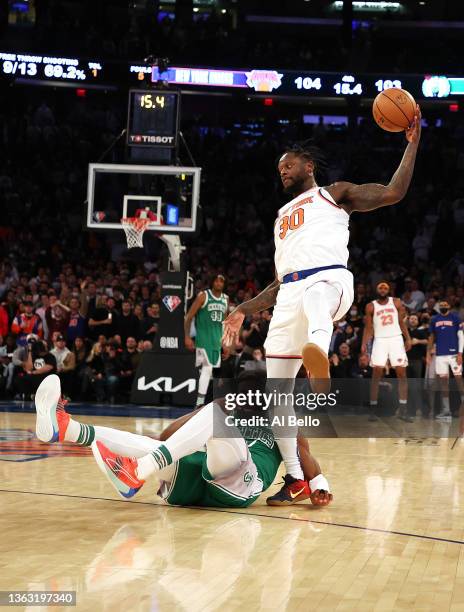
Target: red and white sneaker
[120,471]
[52,419]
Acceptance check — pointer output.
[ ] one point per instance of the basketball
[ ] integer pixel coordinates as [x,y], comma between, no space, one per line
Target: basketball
[394,109]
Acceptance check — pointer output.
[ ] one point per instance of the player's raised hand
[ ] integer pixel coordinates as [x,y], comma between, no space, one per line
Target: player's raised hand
[413,132]
[232,326]
[320,497]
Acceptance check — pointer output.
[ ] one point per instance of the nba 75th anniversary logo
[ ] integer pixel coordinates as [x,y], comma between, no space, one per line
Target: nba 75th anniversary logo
[171,302]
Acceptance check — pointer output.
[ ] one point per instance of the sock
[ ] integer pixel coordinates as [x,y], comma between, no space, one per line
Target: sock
[289,451]
[446,405]
[79,433]
[200,399]
[153,462]
[191,437]
[403,402]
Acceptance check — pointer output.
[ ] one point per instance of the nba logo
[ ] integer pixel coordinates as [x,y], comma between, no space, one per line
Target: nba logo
[171,302]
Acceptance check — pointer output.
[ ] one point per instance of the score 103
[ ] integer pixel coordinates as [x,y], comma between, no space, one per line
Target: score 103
[346,87]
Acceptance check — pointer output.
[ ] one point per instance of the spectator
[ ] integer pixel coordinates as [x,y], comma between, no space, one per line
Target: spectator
[80,353]
[257,363]
[149,324]
[65,364]
[39,364]
[342,363]
[40,312]
[112,372]
[128,325]
[57,317]
[416,365]
[26,323]
[77,322]
[101,321]
[362,369]
[255,331]
[96,372]
[130,360]
[4,323]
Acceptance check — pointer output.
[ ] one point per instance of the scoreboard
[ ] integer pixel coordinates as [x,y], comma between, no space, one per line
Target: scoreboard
[153,118]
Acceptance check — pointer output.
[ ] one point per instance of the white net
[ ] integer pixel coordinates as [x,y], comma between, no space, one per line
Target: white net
[134,228]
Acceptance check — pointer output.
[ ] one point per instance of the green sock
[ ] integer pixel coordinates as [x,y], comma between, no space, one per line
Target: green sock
[86,435]
[162,456]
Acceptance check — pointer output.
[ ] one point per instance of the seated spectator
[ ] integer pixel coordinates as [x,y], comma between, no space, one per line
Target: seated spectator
[39,364]
[113,367]
[65,364]
[26,323]
[341,363]
[95,373]
[130,360]
[7,349]
[149,324]
[80,353]
[128,325]
[363,368]
[4,323]
[257,363]
[255,331]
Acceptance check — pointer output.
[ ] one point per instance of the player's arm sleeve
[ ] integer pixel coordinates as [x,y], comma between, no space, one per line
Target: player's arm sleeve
[461,338]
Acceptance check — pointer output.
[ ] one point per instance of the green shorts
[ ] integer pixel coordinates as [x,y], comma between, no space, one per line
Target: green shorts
[193,485]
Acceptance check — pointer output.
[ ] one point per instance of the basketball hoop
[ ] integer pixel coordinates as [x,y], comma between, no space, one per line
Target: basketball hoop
[134,228]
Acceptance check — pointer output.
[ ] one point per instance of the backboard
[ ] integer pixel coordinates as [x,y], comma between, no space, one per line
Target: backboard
[167,195]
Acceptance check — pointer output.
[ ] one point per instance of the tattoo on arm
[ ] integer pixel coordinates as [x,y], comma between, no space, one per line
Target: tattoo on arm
[263,300]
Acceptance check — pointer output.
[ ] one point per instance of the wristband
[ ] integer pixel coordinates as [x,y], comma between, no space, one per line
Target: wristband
[319,482]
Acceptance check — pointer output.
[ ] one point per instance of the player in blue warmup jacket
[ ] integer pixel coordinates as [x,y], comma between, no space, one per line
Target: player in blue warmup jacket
[446,333]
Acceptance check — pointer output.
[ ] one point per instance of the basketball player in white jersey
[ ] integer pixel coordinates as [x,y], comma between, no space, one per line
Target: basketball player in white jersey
[385,322]
[313,287]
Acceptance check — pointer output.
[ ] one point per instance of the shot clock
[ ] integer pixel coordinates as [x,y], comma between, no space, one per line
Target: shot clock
[153,118]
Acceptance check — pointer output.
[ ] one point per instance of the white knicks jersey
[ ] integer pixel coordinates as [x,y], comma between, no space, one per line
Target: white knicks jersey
[311,231]
[386,320]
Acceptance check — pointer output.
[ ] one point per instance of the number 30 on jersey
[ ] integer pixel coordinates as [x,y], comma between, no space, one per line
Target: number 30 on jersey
[291,222]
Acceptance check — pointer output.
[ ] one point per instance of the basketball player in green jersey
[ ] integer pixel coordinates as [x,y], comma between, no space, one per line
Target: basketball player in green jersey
[209,311]
[198,461]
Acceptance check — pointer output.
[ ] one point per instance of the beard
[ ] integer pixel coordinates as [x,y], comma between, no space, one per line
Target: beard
[294,187]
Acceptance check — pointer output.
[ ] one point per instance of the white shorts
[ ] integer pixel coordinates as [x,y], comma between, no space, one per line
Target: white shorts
[391,349]
[288,330]
[202,359]
[444,362]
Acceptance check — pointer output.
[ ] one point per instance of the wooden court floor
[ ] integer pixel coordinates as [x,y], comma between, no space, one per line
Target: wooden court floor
[392,540]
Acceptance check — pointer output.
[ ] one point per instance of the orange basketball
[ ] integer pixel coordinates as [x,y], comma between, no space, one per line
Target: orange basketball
[394,109]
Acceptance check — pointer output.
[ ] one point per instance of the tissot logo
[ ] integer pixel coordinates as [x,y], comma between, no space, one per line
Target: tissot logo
[165,383]
[152,139]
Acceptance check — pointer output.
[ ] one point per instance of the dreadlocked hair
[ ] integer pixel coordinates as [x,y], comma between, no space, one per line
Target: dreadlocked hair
[309,152]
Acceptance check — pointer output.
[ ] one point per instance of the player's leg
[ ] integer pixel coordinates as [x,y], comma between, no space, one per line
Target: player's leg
[327,297]
[403,394]
[379,358]
[206,373]
[442,365]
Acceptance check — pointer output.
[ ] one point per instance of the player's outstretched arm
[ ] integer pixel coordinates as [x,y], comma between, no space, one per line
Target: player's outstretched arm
[363,198]
[263,300]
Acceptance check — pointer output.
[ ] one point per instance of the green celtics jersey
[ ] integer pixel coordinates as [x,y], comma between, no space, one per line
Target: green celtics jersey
[208,323]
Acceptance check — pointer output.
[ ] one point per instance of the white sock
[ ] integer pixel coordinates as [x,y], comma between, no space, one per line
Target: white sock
[446,405]
[289,450]
[191,437]
[72,432]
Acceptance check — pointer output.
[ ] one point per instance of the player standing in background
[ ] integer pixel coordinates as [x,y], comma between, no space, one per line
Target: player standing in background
[209,311]
[446,334]
[385,322]
[313,287]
